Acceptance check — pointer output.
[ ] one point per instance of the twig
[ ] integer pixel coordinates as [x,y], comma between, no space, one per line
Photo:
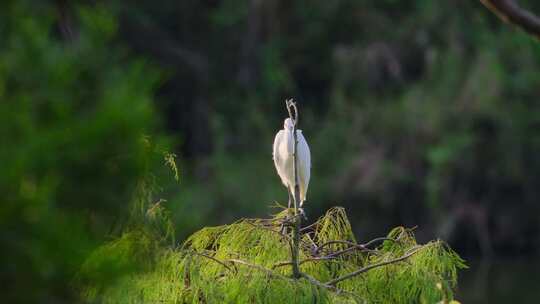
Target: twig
[354,245]
[332,255]
[378,240]
[509,11]
[213,259]
[338,242]
[338,253]
[324,258]
[367,268]
[309,227]
[314,281]
[268,271]
[311,279]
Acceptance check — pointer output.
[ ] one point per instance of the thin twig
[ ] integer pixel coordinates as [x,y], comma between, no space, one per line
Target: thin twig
[367,268]
[378,240]
[314,281]
[268,271]
[309,227]
[332,255]
[324,258]
[213,259]
[337,242]
[311,279]
[340,252]
[355,245]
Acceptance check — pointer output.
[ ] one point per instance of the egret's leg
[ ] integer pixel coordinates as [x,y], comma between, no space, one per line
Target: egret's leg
[283,226]
[290,198]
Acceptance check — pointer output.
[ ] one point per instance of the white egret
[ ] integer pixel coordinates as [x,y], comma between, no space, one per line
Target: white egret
[283,160]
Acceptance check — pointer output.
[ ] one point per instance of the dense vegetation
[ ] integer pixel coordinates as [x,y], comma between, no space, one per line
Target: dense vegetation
[73,146]
[417,112]
[249,262]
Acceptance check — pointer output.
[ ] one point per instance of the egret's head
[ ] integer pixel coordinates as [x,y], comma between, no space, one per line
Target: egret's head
[288,124]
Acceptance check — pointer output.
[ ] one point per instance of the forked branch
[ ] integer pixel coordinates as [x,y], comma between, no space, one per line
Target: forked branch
[352,245]
[367,268]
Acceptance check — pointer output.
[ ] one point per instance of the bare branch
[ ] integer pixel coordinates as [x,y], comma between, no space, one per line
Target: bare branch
[367,268]
[334,255]
[338,253]
[338,242]
[314,281]
[378,240]
[354,245]
[509,11]
[309,227]
[311,279]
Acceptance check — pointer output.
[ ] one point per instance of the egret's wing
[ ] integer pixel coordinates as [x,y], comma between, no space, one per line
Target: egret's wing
[304,164]
[279,162]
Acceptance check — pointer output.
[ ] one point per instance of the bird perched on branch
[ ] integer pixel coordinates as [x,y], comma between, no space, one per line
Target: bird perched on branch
[284,160]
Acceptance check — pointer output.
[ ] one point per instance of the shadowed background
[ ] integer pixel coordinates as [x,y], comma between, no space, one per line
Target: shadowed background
[418,113]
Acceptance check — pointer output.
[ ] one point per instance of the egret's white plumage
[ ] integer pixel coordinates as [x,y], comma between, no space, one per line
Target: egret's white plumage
[283,159]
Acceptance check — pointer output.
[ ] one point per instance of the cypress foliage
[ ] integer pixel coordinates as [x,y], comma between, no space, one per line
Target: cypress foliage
[249,262]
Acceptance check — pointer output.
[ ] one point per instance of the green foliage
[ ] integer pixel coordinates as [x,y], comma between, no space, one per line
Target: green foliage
[71,147]
[246,262]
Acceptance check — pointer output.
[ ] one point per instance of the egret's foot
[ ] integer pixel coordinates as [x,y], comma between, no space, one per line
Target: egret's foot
[303,213]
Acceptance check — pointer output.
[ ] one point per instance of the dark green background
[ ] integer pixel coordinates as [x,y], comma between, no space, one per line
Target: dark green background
[418,113]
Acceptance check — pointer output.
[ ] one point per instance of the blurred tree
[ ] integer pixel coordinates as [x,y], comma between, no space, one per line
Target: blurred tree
[419,113]
[511,12]
[414,96]
[73,112]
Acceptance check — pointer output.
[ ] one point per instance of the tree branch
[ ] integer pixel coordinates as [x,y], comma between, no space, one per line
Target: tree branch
[324,258]
[213,259]
[509,11]
[291,105]
[367,268]
[333,255]
[309,227]
[268,271]
[354,245]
